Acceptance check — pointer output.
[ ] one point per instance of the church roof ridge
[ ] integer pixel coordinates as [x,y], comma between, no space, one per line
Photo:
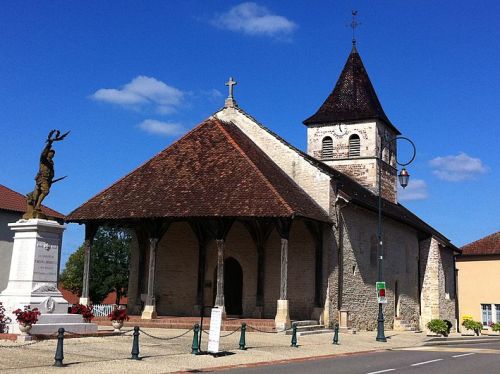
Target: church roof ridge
[353,97]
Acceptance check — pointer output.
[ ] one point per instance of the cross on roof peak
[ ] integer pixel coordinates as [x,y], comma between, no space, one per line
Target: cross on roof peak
[230,102]
[230,84]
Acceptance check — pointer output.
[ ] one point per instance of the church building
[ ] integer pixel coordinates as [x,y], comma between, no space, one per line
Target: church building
[232,215]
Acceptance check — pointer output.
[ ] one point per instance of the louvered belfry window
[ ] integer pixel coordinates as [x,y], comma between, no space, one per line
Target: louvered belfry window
[354,146]
[327,148]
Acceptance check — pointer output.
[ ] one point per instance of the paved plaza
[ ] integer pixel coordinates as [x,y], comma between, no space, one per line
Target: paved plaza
[112,354]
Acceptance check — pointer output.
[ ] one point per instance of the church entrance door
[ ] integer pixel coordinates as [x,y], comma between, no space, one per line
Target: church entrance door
[233,286]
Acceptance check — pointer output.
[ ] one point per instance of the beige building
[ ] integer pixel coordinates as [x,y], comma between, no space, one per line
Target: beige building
[233,215]
[478,269]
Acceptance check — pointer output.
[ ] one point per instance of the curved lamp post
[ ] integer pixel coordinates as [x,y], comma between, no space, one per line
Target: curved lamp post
[404,178]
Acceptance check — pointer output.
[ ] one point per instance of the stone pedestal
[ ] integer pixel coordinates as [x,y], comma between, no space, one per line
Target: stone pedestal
[282,319]
[149,312]
[33,278]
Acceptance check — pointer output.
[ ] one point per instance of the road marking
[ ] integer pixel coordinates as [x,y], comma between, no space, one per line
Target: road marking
[426,362]
[380,371]
[465,354]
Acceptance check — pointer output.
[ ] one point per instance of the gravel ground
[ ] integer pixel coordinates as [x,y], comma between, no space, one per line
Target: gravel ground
[112,354]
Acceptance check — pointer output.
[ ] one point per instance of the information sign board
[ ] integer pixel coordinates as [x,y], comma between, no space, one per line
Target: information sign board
[214,332]
[381,297]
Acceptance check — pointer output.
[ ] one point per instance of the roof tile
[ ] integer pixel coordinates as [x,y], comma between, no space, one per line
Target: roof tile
[215,170]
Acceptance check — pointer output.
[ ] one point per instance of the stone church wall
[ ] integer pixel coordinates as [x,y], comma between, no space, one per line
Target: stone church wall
[438,282]
[359,270]
[177,271]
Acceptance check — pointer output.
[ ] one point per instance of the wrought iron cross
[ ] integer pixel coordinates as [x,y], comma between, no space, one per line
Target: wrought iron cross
[230,84]
[354,24]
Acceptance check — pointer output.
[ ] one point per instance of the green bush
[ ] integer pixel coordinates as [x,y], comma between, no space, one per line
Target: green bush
[438,326]
[470,324]
[496,326]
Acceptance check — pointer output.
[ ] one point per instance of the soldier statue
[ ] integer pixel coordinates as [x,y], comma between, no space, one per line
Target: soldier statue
[44,178]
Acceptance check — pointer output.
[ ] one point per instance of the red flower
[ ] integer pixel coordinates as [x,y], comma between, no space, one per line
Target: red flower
[87,312]
[118,315]
[27,316]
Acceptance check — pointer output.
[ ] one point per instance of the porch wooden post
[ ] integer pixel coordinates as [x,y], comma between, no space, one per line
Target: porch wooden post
[219,298]
[90,231]
[199,228]
[282,319]
[220,229]
[156,230]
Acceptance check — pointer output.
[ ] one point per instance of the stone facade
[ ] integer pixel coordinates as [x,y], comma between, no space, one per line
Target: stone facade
[437,279]
[355,279]
[363,168]
[177,272]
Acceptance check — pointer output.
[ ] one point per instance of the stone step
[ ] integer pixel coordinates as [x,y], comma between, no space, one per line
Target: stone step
[315,332]
[304,328]
[78,328]
[306,323]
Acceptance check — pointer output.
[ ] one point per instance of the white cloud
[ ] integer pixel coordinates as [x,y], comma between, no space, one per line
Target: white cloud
[457,168]
[153,126]
[143,91]
[416,190]
[253,19]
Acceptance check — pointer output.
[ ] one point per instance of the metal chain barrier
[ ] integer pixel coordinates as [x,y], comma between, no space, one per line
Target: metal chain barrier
[107,336]
[267,332]
[23,345]
[159,338]
[231,333]
[223,336]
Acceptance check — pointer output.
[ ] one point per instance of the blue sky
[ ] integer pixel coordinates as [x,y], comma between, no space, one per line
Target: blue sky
[128,78]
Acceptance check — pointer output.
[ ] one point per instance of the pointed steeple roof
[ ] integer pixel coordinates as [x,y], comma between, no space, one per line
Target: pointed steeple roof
[353,97]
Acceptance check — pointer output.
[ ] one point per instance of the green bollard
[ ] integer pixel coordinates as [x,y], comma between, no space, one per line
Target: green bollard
[135,344]
[195,348]
[59,357]
[294,336]
[336,334]
[242,336]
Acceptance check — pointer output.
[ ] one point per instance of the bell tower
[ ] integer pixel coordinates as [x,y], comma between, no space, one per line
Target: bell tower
[346,130]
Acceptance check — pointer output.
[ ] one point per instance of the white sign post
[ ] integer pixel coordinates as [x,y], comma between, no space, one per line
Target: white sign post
[214,332]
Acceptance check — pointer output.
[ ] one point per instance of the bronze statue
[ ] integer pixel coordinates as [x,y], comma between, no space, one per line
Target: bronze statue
[44,178]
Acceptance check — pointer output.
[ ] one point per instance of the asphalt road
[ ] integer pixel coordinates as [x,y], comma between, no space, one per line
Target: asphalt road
[481,358]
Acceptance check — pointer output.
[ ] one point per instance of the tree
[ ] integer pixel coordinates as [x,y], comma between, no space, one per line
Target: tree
[109,266]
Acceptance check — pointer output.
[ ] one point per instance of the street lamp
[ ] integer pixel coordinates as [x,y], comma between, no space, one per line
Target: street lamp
[404,178]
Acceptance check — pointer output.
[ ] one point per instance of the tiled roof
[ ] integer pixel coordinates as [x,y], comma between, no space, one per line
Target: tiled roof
[215,170]
[352,99]
[15,202]
[489,245]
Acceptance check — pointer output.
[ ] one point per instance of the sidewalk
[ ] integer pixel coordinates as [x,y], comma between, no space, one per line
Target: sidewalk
[111,354]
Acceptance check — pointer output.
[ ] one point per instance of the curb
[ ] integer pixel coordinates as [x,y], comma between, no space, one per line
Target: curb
[456,341]
[279,362]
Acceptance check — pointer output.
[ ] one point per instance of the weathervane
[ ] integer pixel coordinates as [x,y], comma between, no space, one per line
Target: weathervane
[354,24]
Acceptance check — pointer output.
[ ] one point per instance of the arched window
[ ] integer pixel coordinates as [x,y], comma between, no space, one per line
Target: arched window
[354,145]
[327,148]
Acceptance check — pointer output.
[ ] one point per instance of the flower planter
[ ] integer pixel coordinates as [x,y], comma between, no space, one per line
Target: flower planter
[25,329]
[117,325]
